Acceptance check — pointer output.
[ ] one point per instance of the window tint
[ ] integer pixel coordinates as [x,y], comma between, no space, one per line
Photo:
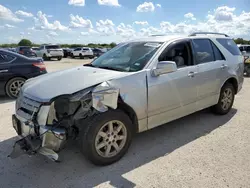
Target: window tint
[248,49]
[4,58]
[241,48]
[217,53]
[203,51]
[52,47]
[179,53]
[230,45]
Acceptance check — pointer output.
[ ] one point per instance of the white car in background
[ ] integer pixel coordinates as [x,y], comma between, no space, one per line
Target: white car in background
[50,51]
[82,52]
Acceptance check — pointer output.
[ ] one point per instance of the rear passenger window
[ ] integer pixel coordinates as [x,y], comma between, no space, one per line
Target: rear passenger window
[217,53]
[248,49]
[203,51]
[230,45]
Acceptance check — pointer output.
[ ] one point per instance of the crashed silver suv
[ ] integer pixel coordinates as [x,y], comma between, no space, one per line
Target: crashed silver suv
[134,87]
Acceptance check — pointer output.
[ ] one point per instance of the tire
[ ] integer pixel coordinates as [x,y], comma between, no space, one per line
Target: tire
[9,87]
[72,56]
[247,70]
[59,58]
[219,108]
[80,56]
[45,57]
[90,138]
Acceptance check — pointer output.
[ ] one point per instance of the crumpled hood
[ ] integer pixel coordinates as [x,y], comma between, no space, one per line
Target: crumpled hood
[44,88]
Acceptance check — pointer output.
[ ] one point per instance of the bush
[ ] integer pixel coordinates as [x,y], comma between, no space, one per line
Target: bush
[25,42]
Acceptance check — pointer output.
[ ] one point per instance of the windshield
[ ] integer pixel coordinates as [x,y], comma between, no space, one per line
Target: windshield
[128,57]
[52,47]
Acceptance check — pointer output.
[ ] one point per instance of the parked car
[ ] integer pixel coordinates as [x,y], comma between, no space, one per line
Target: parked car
[245,50]
[35,48]
[66,52]
[83,52]
[26,51]
[50,51]
[15,69]
[97,52]
[134,87]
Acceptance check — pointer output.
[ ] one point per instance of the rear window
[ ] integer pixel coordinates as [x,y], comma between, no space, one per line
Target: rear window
[25,48]
[52,47]
[230,45]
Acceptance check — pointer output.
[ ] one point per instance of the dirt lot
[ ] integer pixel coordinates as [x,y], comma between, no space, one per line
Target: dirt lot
[201,150]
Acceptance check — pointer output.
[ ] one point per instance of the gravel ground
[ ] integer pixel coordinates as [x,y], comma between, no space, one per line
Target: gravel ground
[200,150]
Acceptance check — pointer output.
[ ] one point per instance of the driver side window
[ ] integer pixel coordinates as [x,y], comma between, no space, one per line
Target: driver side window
[179,52]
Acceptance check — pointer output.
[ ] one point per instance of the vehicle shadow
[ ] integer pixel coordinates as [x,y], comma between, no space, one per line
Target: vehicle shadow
[5,99]
[75,171]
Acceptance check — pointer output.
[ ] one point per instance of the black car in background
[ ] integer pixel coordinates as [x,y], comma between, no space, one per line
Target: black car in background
[15,69]
[97,52]
[26,51]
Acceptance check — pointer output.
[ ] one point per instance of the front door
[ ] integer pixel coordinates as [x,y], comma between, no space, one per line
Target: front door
[173,95]
[5,70]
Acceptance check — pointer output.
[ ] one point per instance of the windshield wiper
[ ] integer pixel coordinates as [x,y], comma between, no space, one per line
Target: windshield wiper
[89,65]
[109,68]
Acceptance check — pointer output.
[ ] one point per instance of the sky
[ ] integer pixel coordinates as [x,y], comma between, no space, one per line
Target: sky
[106,21]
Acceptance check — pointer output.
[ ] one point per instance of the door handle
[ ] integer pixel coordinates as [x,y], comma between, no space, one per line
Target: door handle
[223,66]
[2,71]
[192,74]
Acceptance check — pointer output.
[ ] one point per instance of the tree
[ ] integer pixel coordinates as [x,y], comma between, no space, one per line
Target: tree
[25,42]
[112,45]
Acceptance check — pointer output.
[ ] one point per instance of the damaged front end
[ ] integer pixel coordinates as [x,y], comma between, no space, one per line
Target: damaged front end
[45,128]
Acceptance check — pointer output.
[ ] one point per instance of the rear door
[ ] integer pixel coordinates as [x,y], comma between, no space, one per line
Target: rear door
[5,69]
[211,68]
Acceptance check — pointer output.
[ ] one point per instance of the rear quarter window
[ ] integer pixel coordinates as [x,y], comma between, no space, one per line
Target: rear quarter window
[230,45]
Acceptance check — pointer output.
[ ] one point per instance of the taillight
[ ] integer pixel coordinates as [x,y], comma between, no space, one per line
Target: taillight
[21,52]
[41,66]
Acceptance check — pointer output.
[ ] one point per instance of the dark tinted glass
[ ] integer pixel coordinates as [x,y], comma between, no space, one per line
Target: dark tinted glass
[217,53]
[203,51]
[248,49]
[52,47]
[230,45]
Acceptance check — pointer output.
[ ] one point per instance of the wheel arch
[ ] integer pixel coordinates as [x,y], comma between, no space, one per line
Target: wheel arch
[234,82]
[129,111]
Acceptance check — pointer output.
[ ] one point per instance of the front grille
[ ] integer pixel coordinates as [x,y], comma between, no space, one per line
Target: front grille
[26,107]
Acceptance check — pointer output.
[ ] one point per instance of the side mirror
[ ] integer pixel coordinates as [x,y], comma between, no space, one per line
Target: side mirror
[244,53]
[164,67]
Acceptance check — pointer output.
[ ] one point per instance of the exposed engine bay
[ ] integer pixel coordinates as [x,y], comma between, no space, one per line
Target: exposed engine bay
[62,119]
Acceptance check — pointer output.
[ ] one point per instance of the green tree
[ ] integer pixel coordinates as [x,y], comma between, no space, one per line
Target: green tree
[25,42]
[112,45]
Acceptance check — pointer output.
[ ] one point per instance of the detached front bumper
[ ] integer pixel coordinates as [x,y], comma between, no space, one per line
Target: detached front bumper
[46,140]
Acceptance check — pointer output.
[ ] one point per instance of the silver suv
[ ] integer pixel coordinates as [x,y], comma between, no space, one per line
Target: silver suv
[134,87]
[49,51]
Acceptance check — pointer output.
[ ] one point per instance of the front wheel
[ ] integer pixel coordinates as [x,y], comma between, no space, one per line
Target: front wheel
[107,137]
[226,100]
[59,58]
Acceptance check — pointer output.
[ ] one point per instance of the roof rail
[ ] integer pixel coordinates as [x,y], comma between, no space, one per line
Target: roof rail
[207,33]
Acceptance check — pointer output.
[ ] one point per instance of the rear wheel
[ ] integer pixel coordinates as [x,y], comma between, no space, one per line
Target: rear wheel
[59,58]
[13,86]
[226,100]
[80,55]
[107,137]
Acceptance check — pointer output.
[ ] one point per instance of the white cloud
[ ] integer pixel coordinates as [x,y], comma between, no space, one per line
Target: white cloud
[109,2]
[224,13]
[84,33]
[150,31]
[190,16]
[7,14]
[77,21]
[24,14]
[146,7]
[9,26]
[29,33]
[158,5]
[105,27]
[49,16]
[76,2]
[21,33]
[53,33]
[143,23]
[42,23]
[125,31]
